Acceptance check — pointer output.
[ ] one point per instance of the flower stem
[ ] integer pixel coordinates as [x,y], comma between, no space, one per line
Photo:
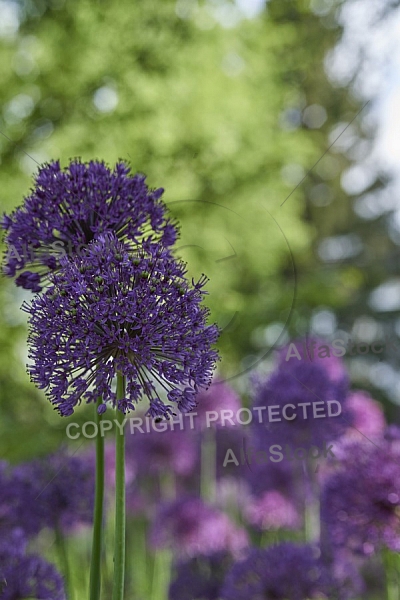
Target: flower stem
[312,506]
[62,550]
[208,474]
[161,575]
[391,572]
[95,566]
[119,550]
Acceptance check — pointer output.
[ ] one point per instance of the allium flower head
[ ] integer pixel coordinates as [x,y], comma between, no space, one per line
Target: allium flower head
[273,510]
[219,397]
[316,351]
[55,492]
[110,311]
[200,578]
[282,572]
[368,416]
[27,576]
[360,504]
[159,451]
[301,385]
[191,528]
[69,207]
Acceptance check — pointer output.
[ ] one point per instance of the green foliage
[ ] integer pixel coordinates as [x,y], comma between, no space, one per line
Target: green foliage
[201,110]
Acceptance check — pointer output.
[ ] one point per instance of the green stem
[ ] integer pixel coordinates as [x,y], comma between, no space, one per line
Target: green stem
[392,575]
[62,550]
[161,575]
[138,557]
[95,566]
[120,524]
[208,475]
[312,524]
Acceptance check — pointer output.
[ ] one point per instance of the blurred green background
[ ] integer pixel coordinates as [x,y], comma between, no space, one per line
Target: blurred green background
[227,105]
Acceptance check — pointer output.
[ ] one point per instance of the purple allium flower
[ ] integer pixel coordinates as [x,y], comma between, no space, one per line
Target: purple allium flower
[13,542]
[368,416]
[159,451]
[109,311]
[315,351]
[219,397]
[273,510]
[191,527]
[69,207]
[360,503]
[300,384]
[55,492]
[282,572]
[200,578]
[345,569]
[277,493]
[23,577]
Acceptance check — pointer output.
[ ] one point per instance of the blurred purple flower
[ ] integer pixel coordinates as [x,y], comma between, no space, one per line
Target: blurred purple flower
[55,492]
[69,207]
[315,351]
[13,542]
[345,570]
[155,452]
[368,415]
[219,398]
[273,510]
[110,311]
[360,504]
[200,578]
[282,572]
[296,384]
[190,527]
[26,576]
[276,496]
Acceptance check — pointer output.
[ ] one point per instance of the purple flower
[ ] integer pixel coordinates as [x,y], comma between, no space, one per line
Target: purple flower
[200,578]
[360,503]
[159,451]
[55,492]
[68,208]
[109,311]
[273,510]
[24,577]
[190,527]
[318,352]
[277,493]
[13,542]
[368,416]
[219,398]
[282,572]
[301,385]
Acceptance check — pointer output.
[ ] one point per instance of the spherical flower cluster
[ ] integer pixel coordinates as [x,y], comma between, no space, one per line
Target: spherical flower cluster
[57,492]
[200,578]
[219,397]
[318,352]
[368,416]
[190,527]
[159,451]
[301,385]
[112,311]
[360,504]
[273,510]
[275,500]
[282,572]
[26,576]
[68,208]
